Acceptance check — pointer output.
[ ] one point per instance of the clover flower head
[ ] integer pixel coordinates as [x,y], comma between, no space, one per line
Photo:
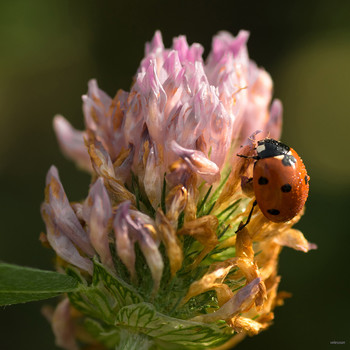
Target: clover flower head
[156,243]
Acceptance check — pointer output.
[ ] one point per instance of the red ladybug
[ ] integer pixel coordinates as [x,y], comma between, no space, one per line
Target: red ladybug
[280,181]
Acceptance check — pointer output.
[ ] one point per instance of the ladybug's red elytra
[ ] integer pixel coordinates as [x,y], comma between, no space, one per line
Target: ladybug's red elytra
[280,181]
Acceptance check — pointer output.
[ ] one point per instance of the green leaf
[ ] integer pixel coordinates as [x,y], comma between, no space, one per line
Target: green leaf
[144,318]
[22,284]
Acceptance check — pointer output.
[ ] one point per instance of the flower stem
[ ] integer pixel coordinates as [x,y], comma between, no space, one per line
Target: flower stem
[133,341]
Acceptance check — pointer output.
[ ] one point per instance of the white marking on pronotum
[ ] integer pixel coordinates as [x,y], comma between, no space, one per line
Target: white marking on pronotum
[261,148]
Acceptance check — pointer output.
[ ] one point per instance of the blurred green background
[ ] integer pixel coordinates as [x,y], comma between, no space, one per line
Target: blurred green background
[50,49]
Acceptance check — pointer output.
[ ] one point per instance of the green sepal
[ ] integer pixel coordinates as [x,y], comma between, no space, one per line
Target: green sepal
[105,296]
[122,291]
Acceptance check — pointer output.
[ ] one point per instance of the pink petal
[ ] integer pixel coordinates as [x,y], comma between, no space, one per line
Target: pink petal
[95,105]
[153,179]
[122,171]
[100,159]
[225,43]
[149,249]
[155,44]
[72,142]
[97,213]
[104,117]
[124,243]
[63,215]
[256,113]
[186,53]
[198,162]
[242,300]
[63,326]
[130,229]
[61,244]
[274,124]
[153,102]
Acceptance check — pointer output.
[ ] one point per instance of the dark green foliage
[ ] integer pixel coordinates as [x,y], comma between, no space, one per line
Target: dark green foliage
[22,284]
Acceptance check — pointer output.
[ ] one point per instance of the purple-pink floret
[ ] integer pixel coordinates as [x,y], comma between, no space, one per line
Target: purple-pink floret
[180,107]
[198,163]
[206,106]
[64,231]
[131,226]
[97,213]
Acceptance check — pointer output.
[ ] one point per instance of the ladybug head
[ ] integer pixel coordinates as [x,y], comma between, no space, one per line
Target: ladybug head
[271,148]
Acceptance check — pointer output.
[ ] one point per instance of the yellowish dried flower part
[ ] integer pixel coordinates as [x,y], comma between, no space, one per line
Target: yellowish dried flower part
[176,202]
[213,280]
[232,188]
[171,241]
[102,164]
[204,231]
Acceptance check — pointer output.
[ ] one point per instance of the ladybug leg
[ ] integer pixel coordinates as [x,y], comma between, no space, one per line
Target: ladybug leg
[249,217]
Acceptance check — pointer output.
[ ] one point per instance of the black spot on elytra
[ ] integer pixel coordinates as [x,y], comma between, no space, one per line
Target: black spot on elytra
[273,211]
[286,188]
[306,179]
[263,180]
[288,160]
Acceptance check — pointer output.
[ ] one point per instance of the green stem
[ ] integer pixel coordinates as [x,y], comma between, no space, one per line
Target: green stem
[133,341]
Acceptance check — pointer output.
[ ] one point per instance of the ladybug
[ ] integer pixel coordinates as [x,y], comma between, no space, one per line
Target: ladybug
[280,181]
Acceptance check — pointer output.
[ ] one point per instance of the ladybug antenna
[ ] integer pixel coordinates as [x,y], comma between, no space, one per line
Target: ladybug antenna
[241,226]
[248,157]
